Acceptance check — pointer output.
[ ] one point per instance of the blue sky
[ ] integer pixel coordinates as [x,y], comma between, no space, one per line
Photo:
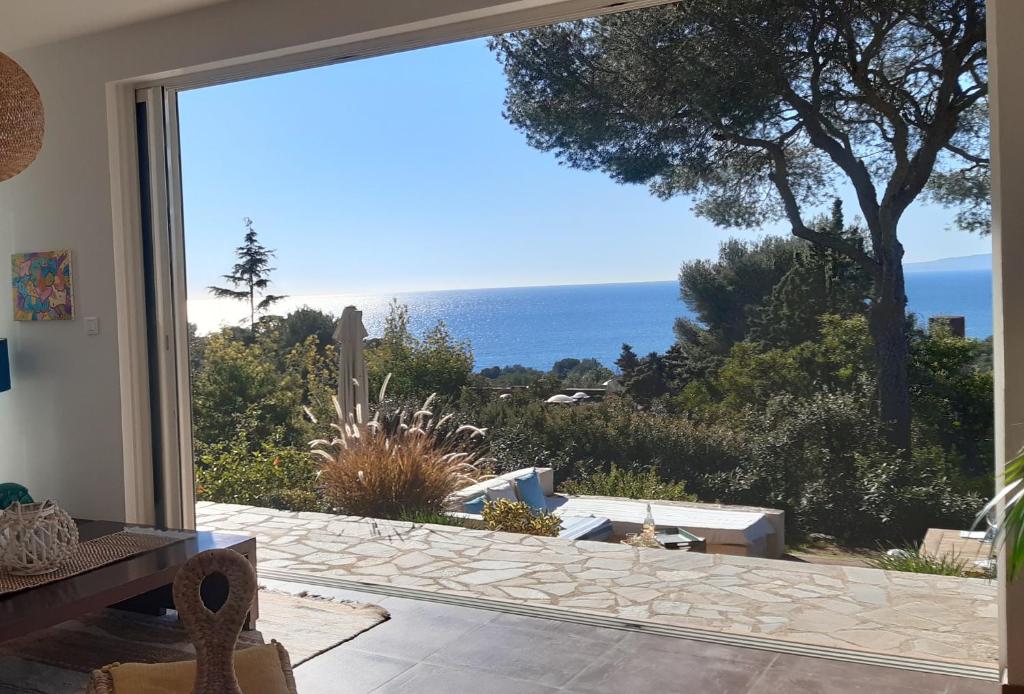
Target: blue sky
[399,173]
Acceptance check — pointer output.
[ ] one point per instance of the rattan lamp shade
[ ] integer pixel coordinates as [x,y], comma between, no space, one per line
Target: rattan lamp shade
[21,119]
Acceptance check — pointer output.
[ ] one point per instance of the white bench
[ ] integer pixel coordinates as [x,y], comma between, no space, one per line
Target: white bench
[726,530]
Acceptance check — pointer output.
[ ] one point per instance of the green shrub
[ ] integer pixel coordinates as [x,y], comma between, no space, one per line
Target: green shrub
[578,440]
[238,390]
[824,461]
[644,484]
[271,477]
[516,517]
[437,363]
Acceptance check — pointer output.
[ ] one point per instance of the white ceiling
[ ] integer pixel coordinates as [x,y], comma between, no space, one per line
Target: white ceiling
[27,23]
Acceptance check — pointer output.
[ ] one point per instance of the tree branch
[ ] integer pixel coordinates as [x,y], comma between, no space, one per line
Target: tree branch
[780,177]
[961,152]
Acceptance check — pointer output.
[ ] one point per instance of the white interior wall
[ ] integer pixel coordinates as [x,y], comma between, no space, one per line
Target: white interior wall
[60,425]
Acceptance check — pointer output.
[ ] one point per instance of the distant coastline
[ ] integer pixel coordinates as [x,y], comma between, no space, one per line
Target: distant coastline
[966,263]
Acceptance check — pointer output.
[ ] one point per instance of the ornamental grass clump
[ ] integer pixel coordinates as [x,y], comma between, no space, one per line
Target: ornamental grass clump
[399,463]
[914,560]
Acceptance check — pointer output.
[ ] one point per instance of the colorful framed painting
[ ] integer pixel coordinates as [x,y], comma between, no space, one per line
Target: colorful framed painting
[42,286]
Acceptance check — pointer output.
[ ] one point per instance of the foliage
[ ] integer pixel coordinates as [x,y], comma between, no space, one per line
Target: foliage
[968,186]
[876,94]
[629,484]
[238,389]
[969,189]
[724,294]
[819,282]
[565,373]
[628,361]
[580,373]
[914,560]
[263,474]
[437,363]
[903,498]
[650,378]
[515,375]
[952,387]
[315,368]
[821,458]
[783,82]
[593,436]
[430,518]
[752,373]
[252,274]
[400,462]
[298,326]
[516,517]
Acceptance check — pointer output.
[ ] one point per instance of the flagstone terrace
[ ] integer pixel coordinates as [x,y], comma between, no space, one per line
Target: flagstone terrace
[932,619]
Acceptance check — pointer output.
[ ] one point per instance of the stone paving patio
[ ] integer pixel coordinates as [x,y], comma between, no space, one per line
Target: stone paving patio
[911,615]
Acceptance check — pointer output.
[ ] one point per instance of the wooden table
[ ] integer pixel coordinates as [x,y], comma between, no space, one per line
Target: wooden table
[142,582]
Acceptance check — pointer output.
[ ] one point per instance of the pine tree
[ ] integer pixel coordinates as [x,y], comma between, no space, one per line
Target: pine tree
[628,361]
[252,274]
[820,282]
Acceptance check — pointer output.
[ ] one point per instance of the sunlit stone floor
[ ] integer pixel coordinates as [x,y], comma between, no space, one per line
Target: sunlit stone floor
[911,615]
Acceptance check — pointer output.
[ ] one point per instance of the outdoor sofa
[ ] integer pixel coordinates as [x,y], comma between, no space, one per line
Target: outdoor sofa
[739,530]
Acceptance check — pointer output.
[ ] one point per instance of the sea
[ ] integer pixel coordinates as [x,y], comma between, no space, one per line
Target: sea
[537,326]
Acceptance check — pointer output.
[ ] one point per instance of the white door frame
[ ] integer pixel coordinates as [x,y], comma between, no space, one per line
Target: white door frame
[1006,71]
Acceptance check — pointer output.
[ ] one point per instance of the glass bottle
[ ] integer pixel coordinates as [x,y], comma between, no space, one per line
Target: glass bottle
[649,528]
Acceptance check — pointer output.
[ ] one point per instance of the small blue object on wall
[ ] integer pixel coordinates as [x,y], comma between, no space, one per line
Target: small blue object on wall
[5,367]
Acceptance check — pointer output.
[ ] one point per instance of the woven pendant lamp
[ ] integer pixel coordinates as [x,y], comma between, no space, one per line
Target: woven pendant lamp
[21,119]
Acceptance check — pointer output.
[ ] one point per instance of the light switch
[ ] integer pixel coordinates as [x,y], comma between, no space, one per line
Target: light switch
[92,326]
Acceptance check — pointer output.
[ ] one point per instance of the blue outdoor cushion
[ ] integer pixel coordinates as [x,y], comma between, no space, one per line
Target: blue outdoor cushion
[530,492]
[474,505]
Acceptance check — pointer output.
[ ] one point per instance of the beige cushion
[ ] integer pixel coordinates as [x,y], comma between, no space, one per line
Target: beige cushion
[258,670]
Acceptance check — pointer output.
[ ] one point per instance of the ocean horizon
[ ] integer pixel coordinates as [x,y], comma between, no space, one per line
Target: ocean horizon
[536,326]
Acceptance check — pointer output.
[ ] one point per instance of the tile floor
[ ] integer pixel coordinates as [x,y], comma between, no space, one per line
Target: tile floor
[430,648]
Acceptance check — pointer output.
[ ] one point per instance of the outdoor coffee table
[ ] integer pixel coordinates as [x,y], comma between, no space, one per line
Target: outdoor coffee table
[141,582]
[677,538]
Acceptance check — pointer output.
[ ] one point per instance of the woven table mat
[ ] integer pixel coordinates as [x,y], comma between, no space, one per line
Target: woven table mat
[91,555]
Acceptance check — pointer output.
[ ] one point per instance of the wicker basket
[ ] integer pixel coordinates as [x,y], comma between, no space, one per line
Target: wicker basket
[21,119]
[35,538]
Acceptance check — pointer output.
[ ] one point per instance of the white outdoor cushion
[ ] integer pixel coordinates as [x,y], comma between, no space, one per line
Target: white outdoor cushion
[505,490]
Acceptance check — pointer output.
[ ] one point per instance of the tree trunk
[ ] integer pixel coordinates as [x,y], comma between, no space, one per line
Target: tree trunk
[888,324]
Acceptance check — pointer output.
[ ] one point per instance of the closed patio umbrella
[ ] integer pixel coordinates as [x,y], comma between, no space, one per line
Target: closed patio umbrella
[353,396]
